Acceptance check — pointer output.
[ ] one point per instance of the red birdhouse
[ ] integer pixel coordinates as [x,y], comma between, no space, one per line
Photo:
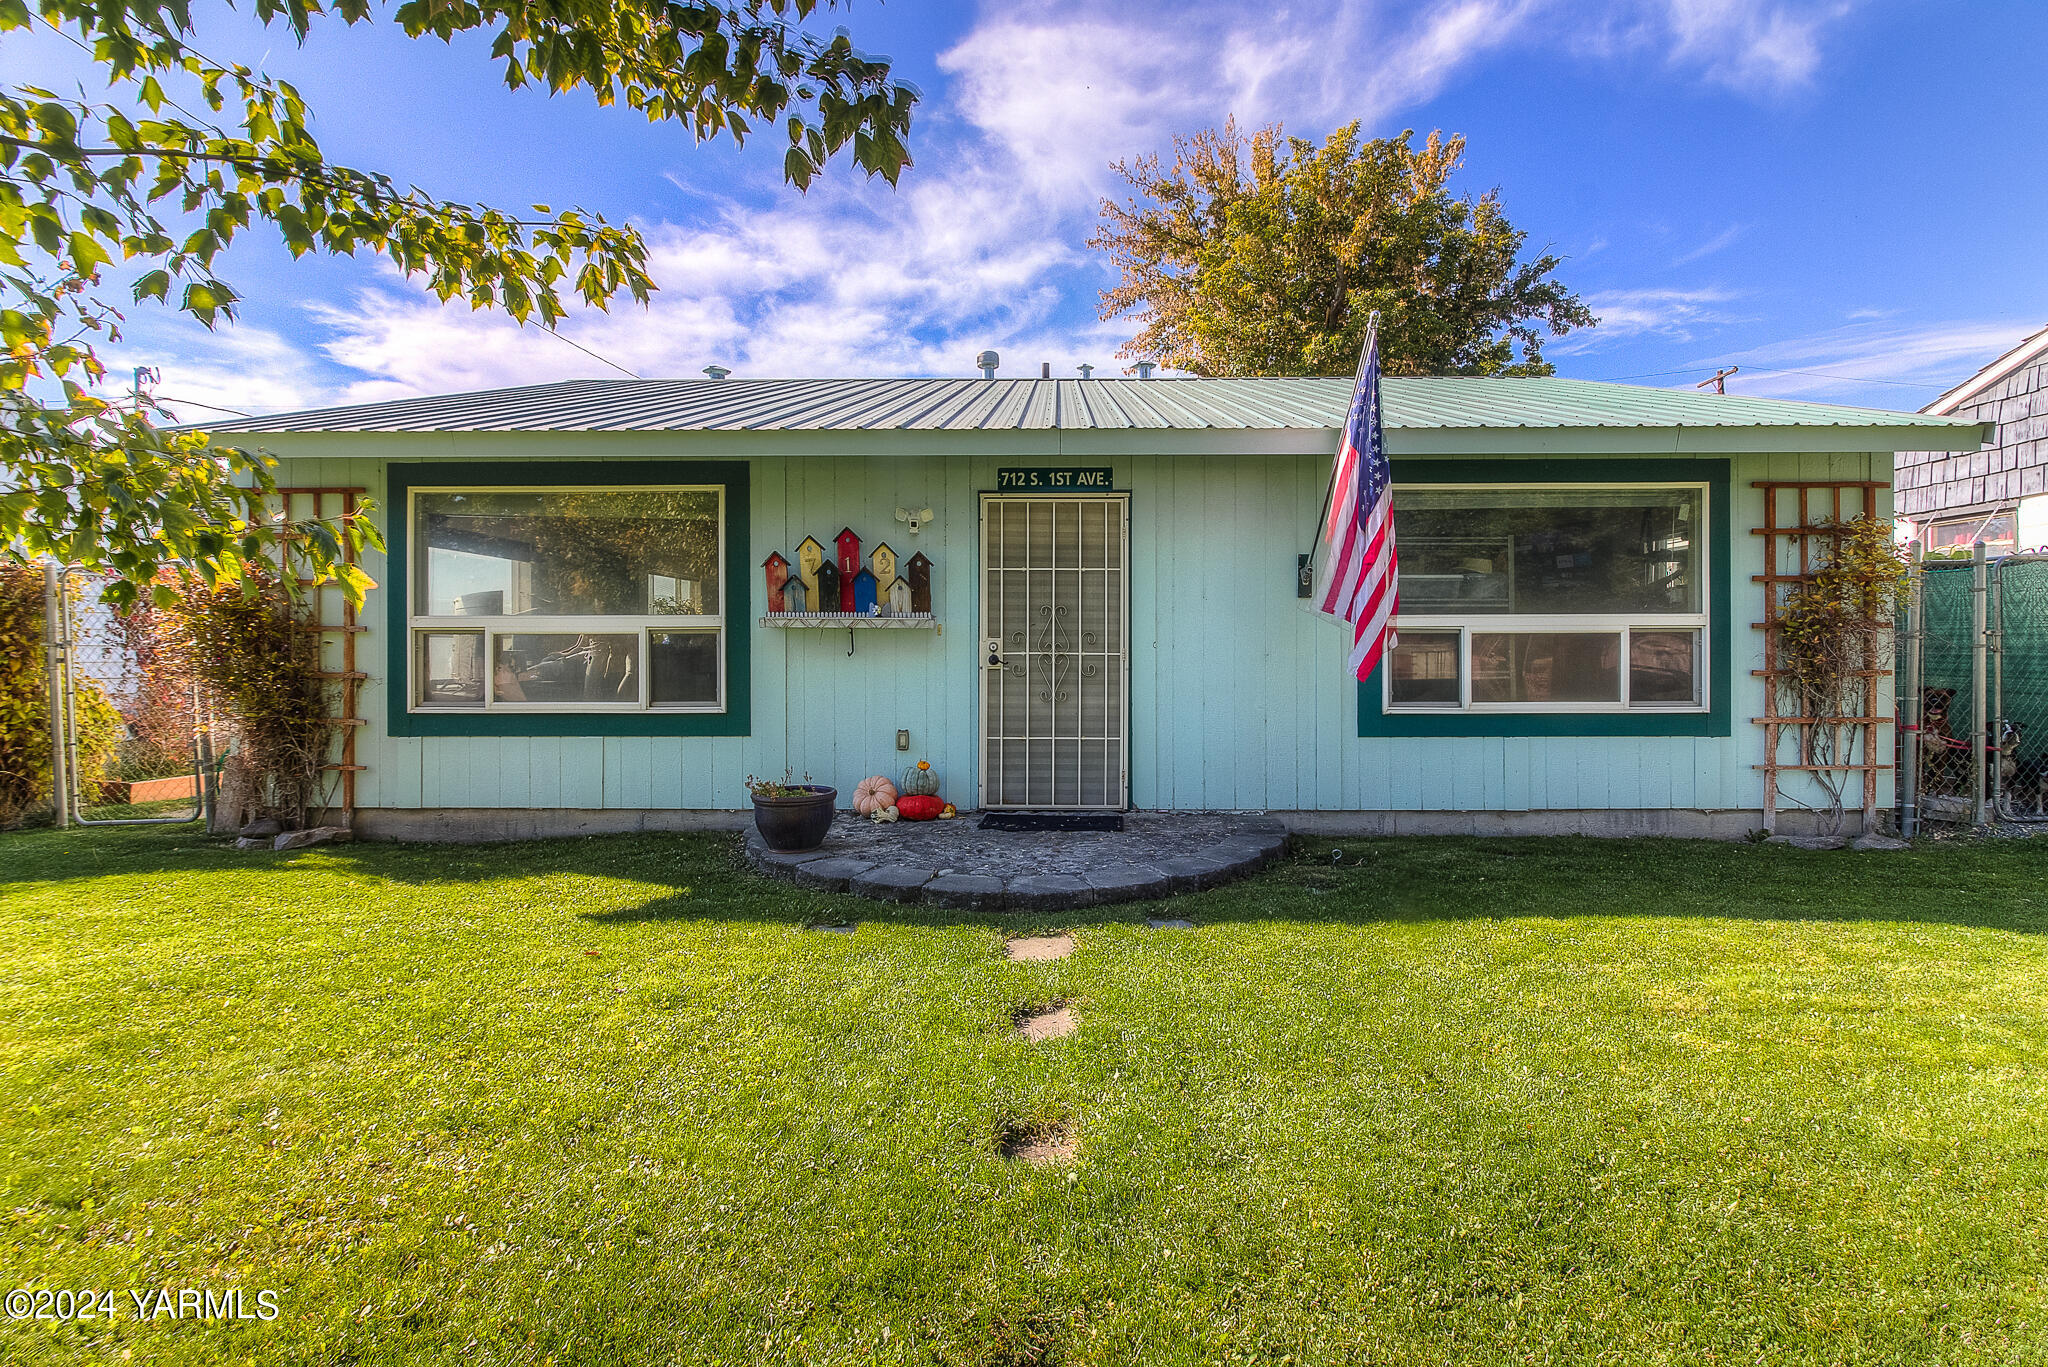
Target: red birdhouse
[849,565]
[777,570]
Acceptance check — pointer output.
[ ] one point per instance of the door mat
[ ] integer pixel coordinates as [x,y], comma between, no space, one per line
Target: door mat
[1052,821]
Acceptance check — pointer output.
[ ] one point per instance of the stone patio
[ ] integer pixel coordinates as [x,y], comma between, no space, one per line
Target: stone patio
[956,864]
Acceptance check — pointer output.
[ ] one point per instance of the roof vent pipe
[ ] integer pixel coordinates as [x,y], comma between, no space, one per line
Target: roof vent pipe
[1045,370]
[1087,371]
[988,361]
[1145,368]
[716,372]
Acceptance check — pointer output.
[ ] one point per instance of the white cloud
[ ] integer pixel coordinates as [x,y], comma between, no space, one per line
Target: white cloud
[981,245]
[1877,366]
[1674,313]
[206,376]
[1713,244]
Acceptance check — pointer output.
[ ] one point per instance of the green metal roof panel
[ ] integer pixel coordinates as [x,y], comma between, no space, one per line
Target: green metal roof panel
[956,405]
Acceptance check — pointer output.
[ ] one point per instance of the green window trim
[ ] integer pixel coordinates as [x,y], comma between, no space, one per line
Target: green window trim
[1717,720]
[402,477]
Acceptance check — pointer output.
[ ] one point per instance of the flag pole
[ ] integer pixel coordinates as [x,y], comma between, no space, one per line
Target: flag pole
[1372,330]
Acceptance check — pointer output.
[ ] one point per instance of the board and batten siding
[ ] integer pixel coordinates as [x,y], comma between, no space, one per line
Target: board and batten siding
[1238,694]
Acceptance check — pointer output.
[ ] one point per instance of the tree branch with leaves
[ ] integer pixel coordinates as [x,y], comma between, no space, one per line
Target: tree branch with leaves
[144,185]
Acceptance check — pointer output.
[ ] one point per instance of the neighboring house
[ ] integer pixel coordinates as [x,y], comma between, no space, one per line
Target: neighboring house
[571,630]
[1998,495]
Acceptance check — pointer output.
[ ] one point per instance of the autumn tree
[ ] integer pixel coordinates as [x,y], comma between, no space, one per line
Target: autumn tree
[1265,254]
[146,191]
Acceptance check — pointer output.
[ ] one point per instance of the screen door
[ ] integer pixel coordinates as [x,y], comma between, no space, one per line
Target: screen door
[1054,686]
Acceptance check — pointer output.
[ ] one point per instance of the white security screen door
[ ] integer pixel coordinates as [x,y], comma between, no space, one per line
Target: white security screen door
[1054,687]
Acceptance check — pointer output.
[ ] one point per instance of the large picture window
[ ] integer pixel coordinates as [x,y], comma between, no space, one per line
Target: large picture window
[582,599]
[1551,599]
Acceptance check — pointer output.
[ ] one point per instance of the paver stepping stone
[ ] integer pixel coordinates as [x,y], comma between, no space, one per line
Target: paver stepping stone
[846,929]
[890,882]
[1169,923]
[1129,882]
[1039,1145]
[1047,1022]
[1039,948]
[831,875]
[966,892]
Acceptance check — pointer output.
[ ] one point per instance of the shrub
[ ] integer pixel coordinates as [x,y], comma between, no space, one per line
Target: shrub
[247,645]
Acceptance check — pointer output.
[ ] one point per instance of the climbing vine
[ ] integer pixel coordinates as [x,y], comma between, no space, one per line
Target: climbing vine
[1831,630]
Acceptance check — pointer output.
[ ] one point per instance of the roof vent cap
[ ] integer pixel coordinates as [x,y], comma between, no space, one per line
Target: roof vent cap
[988,361]
[717,372]
[1087,371]
[1145,368]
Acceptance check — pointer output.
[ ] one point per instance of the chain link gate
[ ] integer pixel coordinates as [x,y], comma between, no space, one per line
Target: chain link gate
[160,770]
[2017,749]
[1974,714]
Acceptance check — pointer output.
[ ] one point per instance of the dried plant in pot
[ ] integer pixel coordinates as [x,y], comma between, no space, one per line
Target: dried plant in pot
[791,816]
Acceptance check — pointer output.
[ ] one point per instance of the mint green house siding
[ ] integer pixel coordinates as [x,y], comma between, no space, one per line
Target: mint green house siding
[1238,697]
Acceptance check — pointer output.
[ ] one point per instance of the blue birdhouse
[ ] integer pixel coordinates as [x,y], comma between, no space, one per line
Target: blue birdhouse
[794,595]
[864,593]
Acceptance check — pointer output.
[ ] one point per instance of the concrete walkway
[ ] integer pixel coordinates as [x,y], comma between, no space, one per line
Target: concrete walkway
[956,864]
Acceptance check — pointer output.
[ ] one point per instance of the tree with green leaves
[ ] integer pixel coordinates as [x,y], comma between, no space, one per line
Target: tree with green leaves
[1265,255]
[143,186]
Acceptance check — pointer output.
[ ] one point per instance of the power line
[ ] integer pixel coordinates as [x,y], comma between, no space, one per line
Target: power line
[592,354]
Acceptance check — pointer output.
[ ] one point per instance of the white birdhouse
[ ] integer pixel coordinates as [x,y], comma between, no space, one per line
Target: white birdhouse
[914,517]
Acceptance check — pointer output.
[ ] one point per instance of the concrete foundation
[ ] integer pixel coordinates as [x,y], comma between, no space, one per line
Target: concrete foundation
[473,825]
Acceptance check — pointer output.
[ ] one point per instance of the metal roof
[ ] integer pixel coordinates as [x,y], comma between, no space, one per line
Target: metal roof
[969,405]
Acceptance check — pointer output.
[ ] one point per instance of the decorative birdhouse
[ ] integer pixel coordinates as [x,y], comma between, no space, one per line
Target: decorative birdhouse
[829,590]
[920,583]
[810,555]
[864,593]
[849,565]
[777,570]
[795,597]
[899,597]
[883,561]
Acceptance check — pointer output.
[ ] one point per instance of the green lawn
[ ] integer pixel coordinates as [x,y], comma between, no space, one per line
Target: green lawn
[1445,1102]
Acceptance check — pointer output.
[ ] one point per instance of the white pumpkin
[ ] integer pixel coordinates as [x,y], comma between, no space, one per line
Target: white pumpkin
[872,794]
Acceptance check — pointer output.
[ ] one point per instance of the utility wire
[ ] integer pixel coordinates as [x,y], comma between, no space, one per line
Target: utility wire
[592,354]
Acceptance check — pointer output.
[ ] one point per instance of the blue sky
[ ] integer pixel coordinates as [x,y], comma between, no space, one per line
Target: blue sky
[1844,196]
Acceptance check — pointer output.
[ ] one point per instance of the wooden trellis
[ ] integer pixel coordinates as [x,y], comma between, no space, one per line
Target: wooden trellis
[1786,546]
[335,617]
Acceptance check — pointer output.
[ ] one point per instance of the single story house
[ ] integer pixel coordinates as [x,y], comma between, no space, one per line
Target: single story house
[606,603]
[1997,495]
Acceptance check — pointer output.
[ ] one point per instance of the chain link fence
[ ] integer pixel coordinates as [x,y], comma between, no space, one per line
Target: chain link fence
[1978,759]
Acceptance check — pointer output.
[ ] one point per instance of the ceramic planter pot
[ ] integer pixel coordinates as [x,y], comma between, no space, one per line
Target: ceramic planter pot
[796,823]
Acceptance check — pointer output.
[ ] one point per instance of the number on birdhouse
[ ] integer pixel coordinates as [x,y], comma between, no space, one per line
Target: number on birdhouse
[849,565]
[810,555]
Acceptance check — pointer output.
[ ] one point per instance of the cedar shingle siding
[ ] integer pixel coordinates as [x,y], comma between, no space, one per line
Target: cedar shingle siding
[2013,467]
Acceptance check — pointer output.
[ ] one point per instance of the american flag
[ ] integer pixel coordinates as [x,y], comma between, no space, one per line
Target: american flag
[1362,580]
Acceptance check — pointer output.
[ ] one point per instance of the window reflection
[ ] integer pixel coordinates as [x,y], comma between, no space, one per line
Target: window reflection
[601,552]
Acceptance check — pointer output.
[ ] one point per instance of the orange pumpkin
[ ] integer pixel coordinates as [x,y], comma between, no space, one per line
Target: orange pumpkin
[919,807]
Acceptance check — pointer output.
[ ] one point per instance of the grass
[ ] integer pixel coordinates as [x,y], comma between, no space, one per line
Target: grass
[1441,1102]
